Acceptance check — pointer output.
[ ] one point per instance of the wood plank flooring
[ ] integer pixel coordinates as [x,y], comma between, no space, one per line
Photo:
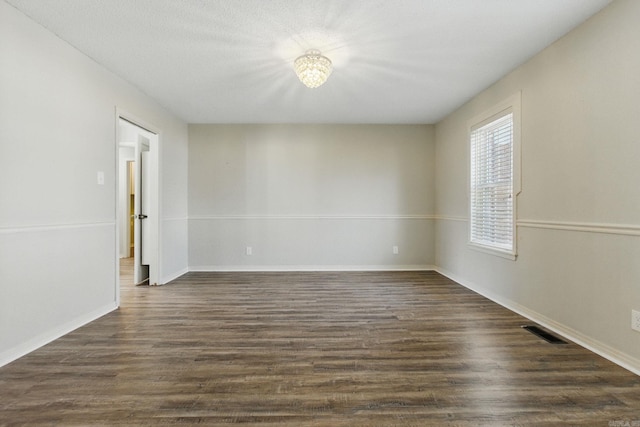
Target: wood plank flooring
[313,349]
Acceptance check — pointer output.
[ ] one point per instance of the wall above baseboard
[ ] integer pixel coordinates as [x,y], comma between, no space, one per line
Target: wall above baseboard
[173,276]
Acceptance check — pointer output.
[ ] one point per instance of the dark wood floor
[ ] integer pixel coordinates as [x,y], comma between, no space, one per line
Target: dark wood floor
[302,349]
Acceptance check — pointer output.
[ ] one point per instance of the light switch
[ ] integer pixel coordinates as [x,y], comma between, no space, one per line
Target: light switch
[100,178]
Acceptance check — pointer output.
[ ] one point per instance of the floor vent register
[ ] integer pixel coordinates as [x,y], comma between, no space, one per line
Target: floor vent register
[550,338]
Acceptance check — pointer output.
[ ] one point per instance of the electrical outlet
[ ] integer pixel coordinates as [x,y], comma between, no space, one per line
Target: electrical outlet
[249,250]
[635,320]
[395,250]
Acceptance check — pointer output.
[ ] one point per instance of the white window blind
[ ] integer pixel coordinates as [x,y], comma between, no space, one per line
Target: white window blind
[491,195]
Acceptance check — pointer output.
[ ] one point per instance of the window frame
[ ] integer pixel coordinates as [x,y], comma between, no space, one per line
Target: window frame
[511,105]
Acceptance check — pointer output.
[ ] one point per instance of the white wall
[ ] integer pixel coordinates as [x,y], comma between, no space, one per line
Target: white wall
[310,196]
[578,269]
[57,226]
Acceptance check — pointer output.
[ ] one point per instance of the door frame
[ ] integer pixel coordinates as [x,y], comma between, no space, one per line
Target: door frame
[155,218]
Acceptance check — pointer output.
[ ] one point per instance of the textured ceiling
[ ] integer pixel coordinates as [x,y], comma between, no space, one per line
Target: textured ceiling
[230,61]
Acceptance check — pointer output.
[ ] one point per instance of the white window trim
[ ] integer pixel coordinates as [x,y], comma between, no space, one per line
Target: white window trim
[513,105]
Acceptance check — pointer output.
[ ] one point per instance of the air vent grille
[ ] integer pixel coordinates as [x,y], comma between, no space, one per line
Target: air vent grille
[550,338]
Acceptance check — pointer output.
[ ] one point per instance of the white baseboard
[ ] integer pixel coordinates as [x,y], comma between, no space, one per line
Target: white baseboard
[284,268]
[174,276]
[619,358]
[23,349]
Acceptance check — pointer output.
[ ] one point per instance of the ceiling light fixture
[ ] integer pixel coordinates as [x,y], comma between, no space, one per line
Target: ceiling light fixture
[312,68]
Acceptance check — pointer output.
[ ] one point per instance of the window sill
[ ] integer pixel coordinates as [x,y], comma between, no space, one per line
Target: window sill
[493,251]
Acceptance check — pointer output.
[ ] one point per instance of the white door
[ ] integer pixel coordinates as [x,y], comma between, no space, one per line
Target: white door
[145,208]
[142,229]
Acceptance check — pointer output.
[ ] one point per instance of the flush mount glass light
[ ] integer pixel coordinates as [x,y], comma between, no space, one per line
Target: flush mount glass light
[312,68]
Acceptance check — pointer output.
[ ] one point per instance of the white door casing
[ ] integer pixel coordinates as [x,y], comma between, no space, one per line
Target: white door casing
[141,137]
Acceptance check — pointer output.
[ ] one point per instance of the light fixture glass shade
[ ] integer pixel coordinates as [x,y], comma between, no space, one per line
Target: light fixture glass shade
[312,68]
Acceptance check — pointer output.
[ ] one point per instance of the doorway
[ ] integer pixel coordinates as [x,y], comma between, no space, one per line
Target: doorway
[137,222]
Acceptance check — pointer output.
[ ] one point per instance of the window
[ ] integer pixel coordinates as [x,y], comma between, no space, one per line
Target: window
[493,185]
